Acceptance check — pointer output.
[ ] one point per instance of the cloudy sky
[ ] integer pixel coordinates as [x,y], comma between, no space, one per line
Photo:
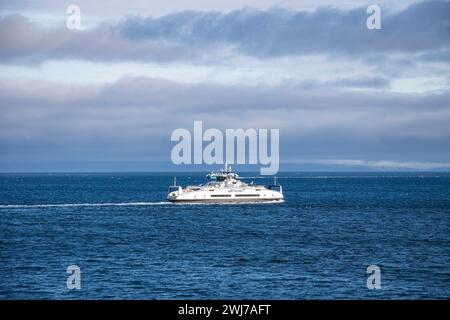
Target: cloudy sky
[108,96]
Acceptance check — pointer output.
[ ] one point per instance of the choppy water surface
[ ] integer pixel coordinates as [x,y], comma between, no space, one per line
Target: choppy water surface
[131,243]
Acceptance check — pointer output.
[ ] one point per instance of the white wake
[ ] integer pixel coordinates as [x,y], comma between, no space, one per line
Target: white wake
[107,204]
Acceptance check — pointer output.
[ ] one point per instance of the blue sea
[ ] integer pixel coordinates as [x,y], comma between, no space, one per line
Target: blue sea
[129,243]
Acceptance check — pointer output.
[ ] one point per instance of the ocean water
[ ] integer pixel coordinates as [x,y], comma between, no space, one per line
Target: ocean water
[131,244]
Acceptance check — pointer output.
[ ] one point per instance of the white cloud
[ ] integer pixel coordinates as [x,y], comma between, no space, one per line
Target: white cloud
[378,164]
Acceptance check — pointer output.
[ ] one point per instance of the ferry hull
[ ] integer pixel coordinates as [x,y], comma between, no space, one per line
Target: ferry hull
[221,198]
[232,200]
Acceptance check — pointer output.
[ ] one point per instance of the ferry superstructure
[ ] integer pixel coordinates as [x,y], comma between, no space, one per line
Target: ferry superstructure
[225,186]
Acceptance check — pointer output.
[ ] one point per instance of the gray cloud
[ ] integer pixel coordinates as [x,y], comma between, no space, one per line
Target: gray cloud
[201,36]
[421,27]
[133,118]
[23,41]
[113,9]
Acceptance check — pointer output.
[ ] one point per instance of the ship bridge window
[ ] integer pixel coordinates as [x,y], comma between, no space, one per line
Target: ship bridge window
[274,187]
[247,195]
[211,184]
[220,195]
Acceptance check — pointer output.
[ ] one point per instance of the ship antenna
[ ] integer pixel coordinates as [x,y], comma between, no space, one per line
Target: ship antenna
[275,180]
[174,181]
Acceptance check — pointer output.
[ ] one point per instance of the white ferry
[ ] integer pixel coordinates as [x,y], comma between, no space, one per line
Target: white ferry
[225,186]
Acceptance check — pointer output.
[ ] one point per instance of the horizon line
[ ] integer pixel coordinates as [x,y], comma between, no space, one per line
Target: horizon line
[249,171]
